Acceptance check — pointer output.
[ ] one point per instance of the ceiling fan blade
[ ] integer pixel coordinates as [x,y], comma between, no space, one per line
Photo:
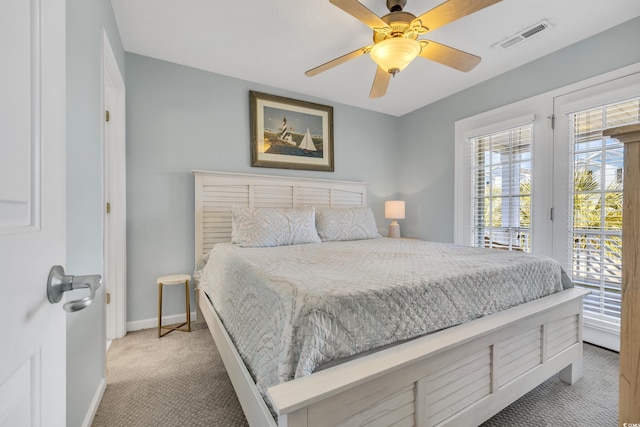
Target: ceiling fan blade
[449,56]
[450,11]
[380,83]
[361,13]
[334,62]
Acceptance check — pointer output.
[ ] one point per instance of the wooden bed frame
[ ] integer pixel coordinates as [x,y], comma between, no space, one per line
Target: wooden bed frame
[460,376]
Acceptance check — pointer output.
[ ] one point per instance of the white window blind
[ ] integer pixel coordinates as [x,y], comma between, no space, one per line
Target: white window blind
[501,189]
[595,228]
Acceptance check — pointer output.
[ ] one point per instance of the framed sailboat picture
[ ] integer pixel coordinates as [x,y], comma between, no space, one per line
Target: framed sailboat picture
[290,134]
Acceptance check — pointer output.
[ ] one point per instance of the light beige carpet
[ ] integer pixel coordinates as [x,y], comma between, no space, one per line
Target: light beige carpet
[179,380]
[176,380]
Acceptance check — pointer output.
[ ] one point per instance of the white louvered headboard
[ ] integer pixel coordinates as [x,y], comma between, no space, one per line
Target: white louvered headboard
[217,192]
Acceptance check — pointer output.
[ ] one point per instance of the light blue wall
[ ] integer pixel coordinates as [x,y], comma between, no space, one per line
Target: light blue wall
[86,329]
[426,155]
[180,119]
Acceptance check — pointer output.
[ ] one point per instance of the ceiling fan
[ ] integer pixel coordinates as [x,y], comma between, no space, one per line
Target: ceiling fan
[395,38]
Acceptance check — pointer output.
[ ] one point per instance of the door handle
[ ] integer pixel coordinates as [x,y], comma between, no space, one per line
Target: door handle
[59,283]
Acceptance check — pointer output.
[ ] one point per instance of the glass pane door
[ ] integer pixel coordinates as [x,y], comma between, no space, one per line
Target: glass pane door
[589,176]
[595,235]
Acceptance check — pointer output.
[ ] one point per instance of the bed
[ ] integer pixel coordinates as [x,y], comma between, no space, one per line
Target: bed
[461,375]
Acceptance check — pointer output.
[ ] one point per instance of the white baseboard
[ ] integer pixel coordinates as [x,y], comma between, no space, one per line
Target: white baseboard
[95,403]
[137,325]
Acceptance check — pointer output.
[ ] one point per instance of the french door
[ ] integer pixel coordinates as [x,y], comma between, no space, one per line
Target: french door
[588,192]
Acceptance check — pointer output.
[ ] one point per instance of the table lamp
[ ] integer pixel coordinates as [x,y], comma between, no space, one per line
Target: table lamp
[394,210]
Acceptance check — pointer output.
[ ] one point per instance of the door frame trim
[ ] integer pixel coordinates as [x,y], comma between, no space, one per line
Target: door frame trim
[114,192]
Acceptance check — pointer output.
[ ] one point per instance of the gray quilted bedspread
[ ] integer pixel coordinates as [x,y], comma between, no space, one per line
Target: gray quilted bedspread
[291,309]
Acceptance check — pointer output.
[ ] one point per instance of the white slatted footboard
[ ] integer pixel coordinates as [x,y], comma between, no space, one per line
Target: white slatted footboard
[461,376]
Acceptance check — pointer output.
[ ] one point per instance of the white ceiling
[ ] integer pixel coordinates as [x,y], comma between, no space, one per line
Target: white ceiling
[273,42]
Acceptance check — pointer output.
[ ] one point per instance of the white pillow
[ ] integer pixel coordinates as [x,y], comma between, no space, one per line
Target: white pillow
[346,224]
[262,227]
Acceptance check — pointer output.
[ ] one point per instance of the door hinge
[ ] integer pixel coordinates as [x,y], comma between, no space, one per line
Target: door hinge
[108,298]
[553,121]
[108,207]
[551,216]
[106,115]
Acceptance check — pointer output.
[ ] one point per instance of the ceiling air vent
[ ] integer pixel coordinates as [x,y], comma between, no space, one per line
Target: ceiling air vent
[524,34]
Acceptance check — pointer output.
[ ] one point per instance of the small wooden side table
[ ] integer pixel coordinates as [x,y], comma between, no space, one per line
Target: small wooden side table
[173,279]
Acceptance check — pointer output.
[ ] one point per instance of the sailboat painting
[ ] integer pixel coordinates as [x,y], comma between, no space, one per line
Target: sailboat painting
[290,134]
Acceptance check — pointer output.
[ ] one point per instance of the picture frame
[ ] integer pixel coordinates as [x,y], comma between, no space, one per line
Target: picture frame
[290,134]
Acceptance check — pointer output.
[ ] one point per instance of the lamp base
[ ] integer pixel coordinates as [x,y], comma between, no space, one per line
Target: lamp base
[394,229]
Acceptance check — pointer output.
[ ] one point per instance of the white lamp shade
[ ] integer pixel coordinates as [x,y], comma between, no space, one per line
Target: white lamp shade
[393,55]
[394,209]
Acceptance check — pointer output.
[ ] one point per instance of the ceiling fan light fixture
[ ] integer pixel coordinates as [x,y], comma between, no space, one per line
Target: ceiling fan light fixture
[393,55]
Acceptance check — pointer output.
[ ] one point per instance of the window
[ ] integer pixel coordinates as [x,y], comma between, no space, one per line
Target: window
[501,189]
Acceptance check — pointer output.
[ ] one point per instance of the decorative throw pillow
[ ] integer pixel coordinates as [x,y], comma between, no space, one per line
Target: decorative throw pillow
[262,227]
[346,224]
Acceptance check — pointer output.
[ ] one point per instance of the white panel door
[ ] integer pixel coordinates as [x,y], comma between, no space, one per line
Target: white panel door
[32,211]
